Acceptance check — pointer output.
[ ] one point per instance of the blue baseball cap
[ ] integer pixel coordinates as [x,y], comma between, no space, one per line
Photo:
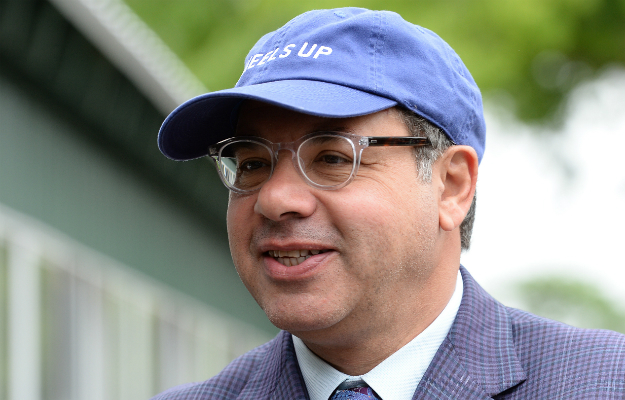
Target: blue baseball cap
[339,63]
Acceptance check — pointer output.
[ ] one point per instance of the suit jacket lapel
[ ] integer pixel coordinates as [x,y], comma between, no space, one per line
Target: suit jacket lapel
[447,378]
[478,359]
[279,376]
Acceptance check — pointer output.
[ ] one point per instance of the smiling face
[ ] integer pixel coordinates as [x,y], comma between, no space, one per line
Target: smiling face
[339,265]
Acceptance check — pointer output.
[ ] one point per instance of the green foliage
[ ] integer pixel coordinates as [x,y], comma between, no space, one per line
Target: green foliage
[571,301]
[533,50]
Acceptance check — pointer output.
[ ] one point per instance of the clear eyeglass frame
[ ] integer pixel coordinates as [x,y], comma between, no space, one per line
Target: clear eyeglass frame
[358,144]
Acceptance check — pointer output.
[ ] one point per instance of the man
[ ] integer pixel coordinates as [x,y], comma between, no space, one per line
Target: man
[350,146]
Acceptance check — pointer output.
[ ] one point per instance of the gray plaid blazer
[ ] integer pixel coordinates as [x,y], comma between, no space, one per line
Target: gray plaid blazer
[491,352]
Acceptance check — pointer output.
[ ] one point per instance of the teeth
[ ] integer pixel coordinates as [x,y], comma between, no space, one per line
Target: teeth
[293,257]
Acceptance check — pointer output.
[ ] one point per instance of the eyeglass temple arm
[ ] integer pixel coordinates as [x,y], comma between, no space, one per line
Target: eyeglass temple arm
[395,141]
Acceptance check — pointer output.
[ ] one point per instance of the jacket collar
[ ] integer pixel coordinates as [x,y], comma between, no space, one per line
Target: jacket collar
[278,376]
[478,359]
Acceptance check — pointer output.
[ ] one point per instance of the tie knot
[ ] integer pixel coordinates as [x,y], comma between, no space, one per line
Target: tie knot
[354,390]
[352,384]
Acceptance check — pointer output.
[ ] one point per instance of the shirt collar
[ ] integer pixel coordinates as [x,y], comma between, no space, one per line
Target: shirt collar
[395,378]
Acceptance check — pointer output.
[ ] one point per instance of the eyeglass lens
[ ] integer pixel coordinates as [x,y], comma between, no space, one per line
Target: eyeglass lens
[325,160]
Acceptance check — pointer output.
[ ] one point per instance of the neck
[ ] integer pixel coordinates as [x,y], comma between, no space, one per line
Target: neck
[357,351]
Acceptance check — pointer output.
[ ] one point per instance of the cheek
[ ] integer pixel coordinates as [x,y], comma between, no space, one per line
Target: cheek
[402,204]
[390,226]
[239,237]
[238,217]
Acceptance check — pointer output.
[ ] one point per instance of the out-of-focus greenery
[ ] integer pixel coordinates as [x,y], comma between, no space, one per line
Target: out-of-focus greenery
[532,51]
[573,302]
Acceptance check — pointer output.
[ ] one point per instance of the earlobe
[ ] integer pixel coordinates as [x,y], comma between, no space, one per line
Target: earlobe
[458,174]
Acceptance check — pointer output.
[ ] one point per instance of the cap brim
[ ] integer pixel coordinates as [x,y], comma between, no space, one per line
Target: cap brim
[205,120]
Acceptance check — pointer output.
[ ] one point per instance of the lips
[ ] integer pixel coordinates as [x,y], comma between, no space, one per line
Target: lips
[293,257]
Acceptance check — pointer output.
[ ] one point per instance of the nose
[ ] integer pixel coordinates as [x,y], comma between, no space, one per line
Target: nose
[285,195]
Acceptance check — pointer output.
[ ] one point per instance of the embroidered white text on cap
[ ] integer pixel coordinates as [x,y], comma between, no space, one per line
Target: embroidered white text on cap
[263,58]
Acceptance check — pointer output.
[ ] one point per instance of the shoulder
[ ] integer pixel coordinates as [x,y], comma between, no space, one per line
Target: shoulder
[517,355]
[531,331]
[572,359]
[539,343]
[228,384]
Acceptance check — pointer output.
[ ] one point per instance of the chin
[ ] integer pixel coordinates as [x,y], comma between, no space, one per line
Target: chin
[303,320]
[293,323]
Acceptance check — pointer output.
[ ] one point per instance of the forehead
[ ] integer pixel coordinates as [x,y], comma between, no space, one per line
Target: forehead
[277,123]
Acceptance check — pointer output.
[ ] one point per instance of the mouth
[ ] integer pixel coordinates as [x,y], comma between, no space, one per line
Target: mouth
[293,257]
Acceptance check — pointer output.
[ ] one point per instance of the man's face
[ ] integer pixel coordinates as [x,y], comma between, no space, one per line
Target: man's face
[372,246]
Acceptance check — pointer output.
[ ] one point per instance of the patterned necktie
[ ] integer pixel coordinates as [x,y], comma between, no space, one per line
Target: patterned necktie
[354,390]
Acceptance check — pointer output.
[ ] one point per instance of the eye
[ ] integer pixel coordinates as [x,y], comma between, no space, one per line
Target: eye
[333,158]
[252,165]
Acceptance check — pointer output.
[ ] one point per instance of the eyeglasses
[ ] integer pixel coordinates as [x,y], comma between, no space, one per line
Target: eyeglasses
[326,160]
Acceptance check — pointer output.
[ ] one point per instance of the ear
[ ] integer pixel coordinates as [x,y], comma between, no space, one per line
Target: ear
[457,169]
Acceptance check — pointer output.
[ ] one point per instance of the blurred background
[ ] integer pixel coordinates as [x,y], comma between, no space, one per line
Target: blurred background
[115,275]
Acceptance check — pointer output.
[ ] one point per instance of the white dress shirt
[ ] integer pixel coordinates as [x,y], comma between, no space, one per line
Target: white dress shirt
[395,378]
